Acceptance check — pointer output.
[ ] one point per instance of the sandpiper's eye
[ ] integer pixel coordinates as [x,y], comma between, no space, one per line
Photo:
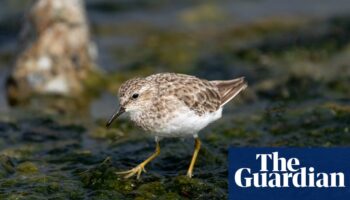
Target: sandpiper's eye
[134,96]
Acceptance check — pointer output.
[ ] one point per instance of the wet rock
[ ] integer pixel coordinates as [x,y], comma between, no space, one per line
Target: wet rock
[150,190]
[106,195]
[294,88]
[196,189]
[41,134]
[56,53]
[7,166]
[6,126]
[170,195]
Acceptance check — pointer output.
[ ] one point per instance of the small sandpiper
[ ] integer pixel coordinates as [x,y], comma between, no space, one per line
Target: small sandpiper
[174,105]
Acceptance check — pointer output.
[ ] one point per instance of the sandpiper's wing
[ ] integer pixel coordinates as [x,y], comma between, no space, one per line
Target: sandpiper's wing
[230,88]
[199,95]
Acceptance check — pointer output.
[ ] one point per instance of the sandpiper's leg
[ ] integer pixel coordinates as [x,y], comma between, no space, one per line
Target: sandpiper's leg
[197,146]
[141,167]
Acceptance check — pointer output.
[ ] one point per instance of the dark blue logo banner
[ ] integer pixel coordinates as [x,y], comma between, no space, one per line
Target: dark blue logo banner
[289,173]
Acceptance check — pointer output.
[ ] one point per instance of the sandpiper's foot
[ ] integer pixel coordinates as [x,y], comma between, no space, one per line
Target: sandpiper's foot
[136,170]
[189,174]
[141,167]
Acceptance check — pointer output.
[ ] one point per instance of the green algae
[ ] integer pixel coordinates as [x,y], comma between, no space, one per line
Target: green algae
[27,168]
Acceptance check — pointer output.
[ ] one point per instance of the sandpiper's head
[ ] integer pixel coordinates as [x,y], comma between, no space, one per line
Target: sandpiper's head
[135,95]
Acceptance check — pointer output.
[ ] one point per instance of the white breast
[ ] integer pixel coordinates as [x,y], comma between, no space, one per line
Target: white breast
[187,123]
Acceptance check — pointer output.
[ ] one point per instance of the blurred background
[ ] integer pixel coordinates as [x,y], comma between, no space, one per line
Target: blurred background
[62,62]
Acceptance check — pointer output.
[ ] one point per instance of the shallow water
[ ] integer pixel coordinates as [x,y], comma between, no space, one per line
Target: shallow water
[298,73]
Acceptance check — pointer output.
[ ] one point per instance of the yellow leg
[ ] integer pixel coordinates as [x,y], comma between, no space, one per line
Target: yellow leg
[141,167]
[197,146]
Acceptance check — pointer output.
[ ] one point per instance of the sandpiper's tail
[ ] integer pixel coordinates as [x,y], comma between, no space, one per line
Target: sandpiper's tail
[230,88]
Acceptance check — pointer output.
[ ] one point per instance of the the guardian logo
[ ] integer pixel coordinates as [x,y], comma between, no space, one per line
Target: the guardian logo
[272,173]
[280,172]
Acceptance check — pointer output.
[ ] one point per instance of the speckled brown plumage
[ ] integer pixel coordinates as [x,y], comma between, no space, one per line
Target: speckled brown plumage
[198,94]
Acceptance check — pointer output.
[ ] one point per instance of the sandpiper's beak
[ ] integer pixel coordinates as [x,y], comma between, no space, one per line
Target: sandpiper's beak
[115,115]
